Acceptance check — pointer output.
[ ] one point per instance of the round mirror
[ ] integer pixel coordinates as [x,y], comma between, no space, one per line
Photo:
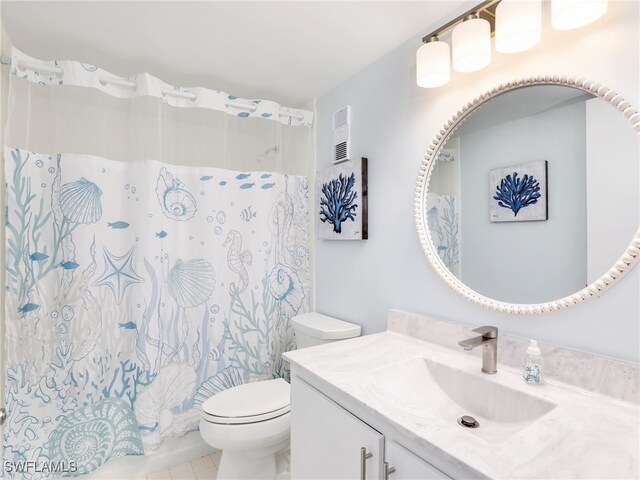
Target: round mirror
[529,197]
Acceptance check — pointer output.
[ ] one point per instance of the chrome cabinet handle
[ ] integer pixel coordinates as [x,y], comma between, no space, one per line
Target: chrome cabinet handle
[364,456]
[388,470]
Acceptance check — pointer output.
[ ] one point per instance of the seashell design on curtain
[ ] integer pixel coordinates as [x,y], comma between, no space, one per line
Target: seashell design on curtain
[137,288]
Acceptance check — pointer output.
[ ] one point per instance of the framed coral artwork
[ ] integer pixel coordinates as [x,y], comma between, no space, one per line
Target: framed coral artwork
[518,193]
[341,200]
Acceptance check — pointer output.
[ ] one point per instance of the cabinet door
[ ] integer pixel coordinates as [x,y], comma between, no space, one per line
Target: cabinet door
[326,440]
[408,466]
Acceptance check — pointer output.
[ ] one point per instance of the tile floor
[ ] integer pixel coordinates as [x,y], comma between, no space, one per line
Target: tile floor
[203,468]
[206,468]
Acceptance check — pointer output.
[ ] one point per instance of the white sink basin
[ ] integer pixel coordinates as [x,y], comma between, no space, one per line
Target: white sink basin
[422,386]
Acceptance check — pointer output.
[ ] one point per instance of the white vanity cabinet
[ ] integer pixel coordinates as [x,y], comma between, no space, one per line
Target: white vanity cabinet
[404,465]
[328,442]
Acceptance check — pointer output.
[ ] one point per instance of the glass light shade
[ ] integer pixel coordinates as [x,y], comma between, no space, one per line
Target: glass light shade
[433,64]
[518,25]
[471,43]
[570,14]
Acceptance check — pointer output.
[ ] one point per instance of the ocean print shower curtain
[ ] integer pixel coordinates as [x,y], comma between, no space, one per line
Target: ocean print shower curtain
[443,222]
[134,292]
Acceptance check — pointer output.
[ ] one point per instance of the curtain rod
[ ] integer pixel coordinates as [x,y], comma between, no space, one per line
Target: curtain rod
[86,75]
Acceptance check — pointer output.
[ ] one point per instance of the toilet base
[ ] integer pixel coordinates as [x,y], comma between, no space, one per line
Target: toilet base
[252,464]
[248,449]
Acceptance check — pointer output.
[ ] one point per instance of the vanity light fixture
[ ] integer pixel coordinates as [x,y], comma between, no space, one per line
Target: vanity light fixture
[433,61]
[471,41]
[570,14]
[517,25]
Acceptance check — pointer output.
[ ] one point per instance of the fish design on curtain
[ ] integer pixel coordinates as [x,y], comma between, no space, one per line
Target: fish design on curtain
[135,291]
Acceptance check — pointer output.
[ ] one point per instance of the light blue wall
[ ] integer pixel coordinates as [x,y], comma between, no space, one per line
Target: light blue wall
[507,260]
[393,124]
[605,232]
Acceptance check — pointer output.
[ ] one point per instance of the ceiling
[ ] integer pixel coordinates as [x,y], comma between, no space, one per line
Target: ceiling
[288,52]
[520,103]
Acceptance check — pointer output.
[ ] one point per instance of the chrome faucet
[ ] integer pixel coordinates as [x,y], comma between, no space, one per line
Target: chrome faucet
[489,340]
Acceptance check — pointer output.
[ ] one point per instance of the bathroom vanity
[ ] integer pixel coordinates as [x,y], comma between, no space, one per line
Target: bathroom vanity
[386,406]
[358,451]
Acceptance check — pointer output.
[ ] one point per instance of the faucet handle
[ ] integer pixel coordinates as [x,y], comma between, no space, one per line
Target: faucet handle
[487,331]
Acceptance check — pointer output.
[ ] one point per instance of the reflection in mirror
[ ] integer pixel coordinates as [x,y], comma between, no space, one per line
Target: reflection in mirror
[536,194]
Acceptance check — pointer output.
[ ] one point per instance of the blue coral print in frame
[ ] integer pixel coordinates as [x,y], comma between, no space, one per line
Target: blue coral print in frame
[518,193]
[342,201]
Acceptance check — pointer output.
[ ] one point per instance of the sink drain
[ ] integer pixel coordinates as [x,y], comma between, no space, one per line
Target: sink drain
[468,421]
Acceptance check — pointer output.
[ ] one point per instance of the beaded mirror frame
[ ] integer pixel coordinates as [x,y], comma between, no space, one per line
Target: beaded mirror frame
[623,265]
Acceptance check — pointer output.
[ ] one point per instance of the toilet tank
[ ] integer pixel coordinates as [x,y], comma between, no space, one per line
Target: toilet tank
[316,329]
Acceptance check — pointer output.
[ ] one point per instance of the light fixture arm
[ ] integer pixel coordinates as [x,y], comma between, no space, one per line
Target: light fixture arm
[485,10]
[515,24]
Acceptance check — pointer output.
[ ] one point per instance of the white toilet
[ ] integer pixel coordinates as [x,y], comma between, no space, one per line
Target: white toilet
[250,423]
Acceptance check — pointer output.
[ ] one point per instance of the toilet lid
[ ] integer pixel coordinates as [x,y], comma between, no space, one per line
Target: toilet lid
[248,403]
[323,327]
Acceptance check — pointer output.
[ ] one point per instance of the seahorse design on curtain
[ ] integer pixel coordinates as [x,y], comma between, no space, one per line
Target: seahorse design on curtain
[238,259]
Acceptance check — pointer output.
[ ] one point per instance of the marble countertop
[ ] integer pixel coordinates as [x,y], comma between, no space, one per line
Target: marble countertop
[586,435]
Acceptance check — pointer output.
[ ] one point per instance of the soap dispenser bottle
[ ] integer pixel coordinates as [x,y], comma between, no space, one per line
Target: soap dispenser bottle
[533,364]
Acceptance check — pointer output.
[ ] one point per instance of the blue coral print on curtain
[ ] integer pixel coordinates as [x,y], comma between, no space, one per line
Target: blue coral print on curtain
[135,292]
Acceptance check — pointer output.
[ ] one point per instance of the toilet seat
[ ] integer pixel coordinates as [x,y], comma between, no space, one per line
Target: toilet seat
[245,420]
[249,403]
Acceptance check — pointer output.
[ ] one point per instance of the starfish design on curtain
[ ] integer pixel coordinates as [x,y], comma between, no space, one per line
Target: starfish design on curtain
[118,273]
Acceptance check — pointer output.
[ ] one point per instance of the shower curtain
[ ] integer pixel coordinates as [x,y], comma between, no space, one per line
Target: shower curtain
[141,279]
[443,221]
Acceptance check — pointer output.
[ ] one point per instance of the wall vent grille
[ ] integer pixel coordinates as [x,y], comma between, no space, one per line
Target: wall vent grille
[342,134]
[341,152]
